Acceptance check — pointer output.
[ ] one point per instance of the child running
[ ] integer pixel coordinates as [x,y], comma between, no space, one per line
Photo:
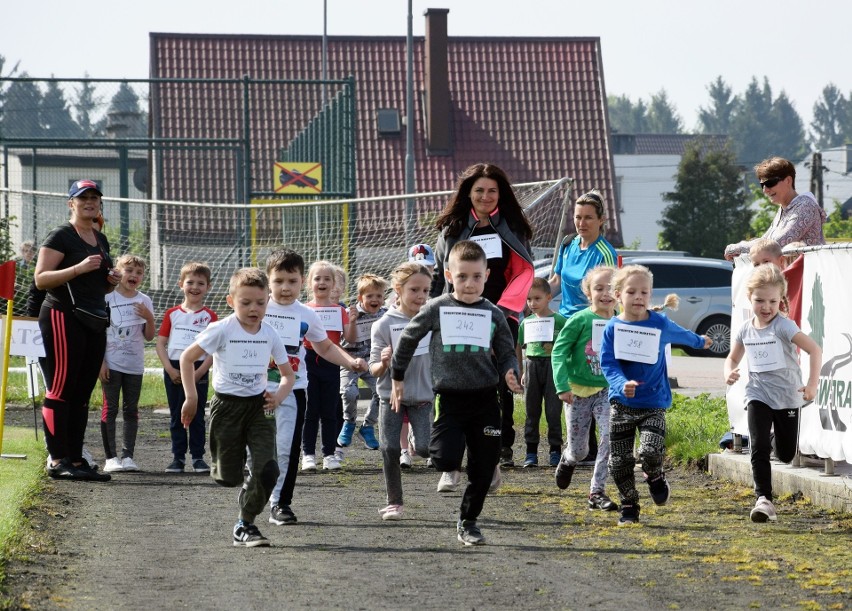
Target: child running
[634,364]
[774,391]
[535,338]
[241,345]
[582,385]
[180,327]
[131,325]
[411,281]
[295,323]
[465,329]
[324,403]
[368,309]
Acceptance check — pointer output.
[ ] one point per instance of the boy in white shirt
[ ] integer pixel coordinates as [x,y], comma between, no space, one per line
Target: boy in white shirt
[241,346]
[294,322]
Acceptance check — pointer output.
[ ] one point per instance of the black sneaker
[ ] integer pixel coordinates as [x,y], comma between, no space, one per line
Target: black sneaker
[248,535]
[176,466]
[506,459]
[598,500]
[91,474]
[282,514]
[564,473]
[64,469]
[469,533]
[629,514]
[659,489]
[199,466]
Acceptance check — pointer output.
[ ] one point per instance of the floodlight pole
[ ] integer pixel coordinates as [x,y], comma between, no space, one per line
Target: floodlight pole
[409,132]
[324,47]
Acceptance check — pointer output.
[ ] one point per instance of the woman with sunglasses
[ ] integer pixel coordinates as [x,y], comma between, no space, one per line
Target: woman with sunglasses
[799,217]
[75,268]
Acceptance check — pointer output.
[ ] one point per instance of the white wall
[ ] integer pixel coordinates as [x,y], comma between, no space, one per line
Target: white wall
[643,179]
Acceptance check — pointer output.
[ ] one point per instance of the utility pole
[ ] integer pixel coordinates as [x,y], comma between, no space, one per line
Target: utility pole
[816,178]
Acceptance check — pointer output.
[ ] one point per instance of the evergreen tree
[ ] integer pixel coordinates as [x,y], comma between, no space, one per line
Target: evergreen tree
[830,118]
[125,117]
[55,117]
[749,128]
[788,130]
[662,115]
[21,110]
[4,86]
[716,117]
[625,117]
[709,206]
[85,106]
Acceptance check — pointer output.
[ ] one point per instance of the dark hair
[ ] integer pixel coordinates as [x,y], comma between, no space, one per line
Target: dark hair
[540,284]
[775,167]
[285,259]
[455,214]
[467,250]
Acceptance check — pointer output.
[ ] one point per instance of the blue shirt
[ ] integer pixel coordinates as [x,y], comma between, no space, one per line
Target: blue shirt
[572,265]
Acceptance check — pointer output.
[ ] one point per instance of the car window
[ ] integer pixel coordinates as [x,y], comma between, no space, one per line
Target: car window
[673,276]
[712,276]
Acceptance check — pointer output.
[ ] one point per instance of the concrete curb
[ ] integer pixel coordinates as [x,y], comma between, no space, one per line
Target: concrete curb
[832,492]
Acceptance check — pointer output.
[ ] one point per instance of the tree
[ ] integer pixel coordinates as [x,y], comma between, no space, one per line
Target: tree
[788,129]
[709,207]
[626,117]
[836,227]
[716,117]
[21,110]
[125,117]
[85,104]
[3,87]
[662,116]
[830,118]
[55,117]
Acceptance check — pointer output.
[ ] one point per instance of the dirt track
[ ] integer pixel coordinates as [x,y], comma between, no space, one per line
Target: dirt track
[151,540]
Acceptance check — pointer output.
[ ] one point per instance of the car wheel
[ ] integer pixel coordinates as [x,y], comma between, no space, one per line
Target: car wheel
[717,328]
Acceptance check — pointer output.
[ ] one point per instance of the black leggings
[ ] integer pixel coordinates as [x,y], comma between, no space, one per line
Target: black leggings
[761,420]
[72,362]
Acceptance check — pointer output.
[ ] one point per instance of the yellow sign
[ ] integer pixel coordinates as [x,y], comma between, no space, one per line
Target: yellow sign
[297,177]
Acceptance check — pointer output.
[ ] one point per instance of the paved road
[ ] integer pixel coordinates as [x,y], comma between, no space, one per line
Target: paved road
[696,375]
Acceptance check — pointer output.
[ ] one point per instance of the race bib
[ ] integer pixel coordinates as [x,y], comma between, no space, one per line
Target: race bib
[538,329]
[331,318]
[465,326]
[363,328]
[639,344]
[287,326]
[181,337]
[764,354]
[422,347]
[245,356]
[124,315]
[491,244]
[598,327]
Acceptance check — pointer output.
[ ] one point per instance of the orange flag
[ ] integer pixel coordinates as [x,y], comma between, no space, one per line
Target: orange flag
[7,280]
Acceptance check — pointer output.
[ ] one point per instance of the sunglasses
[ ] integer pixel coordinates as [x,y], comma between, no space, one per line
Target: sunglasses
[770,182]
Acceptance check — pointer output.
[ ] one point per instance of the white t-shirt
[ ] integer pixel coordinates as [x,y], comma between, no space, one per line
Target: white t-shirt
[294,323]
[125,349]
[240,359]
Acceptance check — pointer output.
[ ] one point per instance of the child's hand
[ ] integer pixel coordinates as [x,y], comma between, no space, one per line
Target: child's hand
[735,375]
[808,392]
[359,364]
[103,375]
[707,342]
[566,397]
[143,312]
[387,355]
[353,313]
[630,388]
[174,374]
[270,401]
[187,412]
[397,390]
[512,382]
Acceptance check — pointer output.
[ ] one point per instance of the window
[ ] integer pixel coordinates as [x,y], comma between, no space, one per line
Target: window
[387,121]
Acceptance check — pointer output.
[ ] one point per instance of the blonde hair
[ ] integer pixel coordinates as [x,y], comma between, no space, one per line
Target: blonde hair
[250,277]
[767,245]
[586,283]
[195,268]
[766,276]
[623,273]
[371,281]
[671,302]
[315,267]
[404,272]
[129,260]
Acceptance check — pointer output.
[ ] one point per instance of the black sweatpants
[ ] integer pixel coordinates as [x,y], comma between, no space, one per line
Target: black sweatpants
[761,419]
[469,419]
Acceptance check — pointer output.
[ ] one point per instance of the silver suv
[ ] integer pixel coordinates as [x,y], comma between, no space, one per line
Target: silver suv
[704,288]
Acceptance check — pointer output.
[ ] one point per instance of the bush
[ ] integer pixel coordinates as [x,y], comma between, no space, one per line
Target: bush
[694,427]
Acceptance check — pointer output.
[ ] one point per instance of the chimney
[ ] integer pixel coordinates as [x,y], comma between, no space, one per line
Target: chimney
[438,137]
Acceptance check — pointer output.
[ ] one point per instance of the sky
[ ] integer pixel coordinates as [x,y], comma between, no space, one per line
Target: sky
[680,46]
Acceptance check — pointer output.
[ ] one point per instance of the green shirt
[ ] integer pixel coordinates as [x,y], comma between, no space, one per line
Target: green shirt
[574,361]
[541,348]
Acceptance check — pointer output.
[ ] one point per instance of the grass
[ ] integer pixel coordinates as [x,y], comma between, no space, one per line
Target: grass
[20,483]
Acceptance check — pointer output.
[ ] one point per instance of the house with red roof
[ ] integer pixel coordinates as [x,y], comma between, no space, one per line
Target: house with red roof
[536,107]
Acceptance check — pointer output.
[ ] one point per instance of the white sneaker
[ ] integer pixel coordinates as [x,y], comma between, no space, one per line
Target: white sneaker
[309,462]
[127,464]
[391,512]
[404,459]
[113,464]
[330,463]
[338,454]
[763,510]
[496,480]
[449,481]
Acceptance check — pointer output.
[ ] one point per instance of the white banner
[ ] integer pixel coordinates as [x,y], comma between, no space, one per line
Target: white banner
[740,313]
[26,337]
[826,425]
